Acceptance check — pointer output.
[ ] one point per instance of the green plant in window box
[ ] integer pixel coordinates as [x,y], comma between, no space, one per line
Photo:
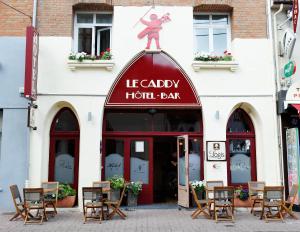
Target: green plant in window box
[202,56]
[80,56]
[65,190]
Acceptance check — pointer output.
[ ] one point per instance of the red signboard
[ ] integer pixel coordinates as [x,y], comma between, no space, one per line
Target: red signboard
[153,79]
[295,14]
[31,63]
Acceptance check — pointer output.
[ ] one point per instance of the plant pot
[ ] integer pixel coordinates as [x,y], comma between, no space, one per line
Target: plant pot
[115,194]
[67,202]
[131,200]
[239,203]
[200,195]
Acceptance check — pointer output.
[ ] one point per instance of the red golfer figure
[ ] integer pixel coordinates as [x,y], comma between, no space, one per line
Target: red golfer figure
[153,28]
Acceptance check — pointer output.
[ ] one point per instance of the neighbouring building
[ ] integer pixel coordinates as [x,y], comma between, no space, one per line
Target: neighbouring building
[14,134]
[133,114]
[287,55]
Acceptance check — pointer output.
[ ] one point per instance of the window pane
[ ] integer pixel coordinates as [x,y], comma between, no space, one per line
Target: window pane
[139,161]
[103,39]
[220,41]
[238,123]
[201,19]
[220,19]
[128,121]
[104,18]
[64,161]
[194,159]
[85,40]
[240,163]
[181,165]
[201,39]
[66,122]
[114,159]
[84,18]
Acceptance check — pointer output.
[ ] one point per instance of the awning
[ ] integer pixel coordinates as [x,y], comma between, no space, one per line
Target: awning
[297,107]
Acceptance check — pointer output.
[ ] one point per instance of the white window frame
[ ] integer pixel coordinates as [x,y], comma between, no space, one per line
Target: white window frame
[210,26]
[93,25]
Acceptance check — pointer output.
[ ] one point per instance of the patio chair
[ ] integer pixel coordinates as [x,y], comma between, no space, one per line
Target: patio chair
[115,205]
[224,203]
[18,203]
[202,205]
[210,184]
[256,189]
[34,200]
[272,203]
[105,187]
[287,206]
[50,195]
[92,198]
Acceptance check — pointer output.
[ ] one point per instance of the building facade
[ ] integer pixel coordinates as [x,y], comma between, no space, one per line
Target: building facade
[128,115]
[14,134]
[286,53]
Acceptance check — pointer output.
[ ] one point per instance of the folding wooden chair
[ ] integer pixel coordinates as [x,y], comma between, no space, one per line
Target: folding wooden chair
[202,205]
[287,206]
[50,195]
[256,189]
[209,188]
[105,187]
[92,198]
[18,203]
[224,203]
[34,200]
[115,205]
[272,201]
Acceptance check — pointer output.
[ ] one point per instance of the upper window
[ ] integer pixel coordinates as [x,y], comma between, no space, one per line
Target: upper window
[211,33]
[92,32]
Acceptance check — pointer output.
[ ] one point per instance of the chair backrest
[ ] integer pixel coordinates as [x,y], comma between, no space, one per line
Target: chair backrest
[15,195]
[104,184]
[273,193]
[293,194]
[225,194]
[92,194]
[33,195]
[50,190]
[255,187]
[210,184]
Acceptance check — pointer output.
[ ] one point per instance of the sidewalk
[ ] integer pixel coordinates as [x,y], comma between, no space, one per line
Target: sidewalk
[152,218]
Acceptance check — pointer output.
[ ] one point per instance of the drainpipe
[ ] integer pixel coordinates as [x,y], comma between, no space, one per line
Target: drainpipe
[278,84]
[34,13]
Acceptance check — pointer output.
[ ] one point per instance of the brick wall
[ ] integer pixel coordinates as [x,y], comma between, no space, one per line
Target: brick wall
[55,17]
[13,23]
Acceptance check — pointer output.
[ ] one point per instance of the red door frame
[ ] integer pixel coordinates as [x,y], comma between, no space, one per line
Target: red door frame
[242,135]
[60,135]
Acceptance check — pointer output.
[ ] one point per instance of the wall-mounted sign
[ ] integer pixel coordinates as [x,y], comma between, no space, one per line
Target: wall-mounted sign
[215,150]
[288,43]
[153,28]
[31,63]
[295,14]
[30,116]
[293,93]
[289,69]
[152,79]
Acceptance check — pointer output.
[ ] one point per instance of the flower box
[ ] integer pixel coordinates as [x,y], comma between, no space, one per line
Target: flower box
[240,203]
[75,64]
[231,65]
[67,202]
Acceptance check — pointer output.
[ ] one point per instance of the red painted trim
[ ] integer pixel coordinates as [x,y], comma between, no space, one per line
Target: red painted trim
[242,135]
[149,133]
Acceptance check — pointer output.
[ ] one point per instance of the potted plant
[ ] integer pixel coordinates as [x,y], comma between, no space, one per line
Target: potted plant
[199,188]
[116,184]
[242,197]
[133,190]
[66,196]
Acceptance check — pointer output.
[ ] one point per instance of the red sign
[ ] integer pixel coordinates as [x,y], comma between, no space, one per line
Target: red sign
[153,79]
[295,14]
[31,63]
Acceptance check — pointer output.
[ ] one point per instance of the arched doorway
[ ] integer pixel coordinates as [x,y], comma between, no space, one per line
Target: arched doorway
[151,103]
[64,148]
[241,158]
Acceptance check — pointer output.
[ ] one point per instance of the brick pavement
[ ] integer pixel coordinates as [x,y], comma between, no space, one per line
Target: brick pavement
[151,219]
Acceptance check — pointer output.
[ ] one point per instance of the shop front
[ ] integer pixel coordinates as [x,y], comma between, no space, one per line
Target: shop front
[150,107]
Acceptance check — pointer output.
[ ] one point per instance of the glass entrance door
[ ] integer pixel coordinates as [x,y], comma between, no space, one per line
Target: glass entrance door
[183,170]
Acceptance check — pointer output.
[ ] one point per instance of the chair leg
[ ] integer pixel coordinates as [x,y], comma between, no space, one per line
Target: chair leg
[15,216]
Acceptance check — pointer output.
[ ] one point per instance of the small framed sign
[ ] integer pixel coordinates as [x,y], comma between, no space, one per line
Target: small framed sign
[216,150]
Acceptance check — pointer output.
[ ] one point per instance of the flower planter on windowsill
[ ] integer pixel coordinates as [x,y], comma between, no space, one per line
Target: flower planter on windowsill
[231,65]
[75,64]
